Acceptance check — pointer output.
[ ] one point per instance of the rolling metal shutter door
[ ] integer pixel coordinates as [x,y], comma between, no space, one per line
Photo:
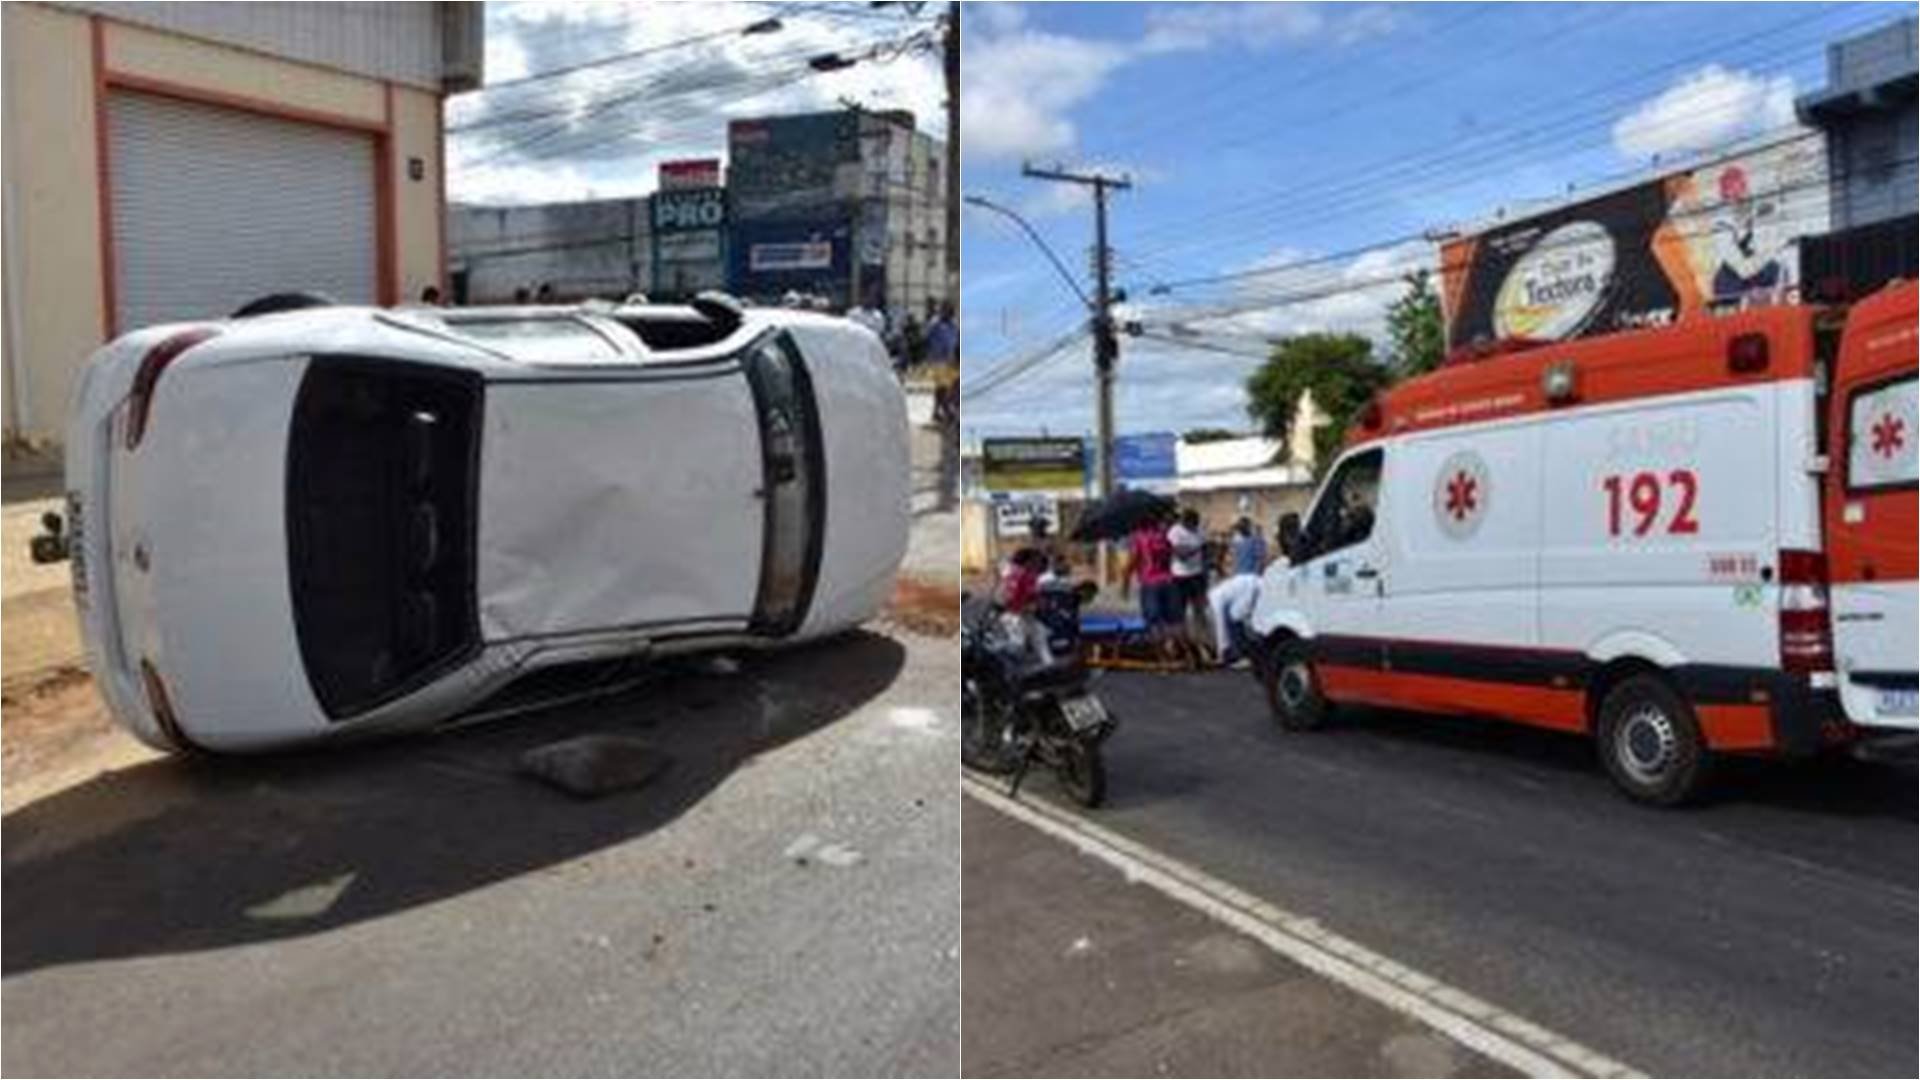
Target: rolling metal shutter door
[215,207]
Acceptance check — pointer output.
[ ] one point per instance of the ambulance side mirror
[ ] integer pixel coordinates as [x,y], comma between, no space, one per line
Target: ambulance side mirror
[1290,536]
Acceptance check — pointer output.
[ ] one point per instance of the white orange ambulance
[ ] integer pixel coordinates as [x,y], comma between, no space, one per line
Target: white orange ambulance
[1684,542]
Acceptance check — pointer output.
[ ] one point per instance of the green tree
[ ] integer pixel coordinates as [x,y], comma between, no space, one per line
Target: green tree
[1417,333]
[1340,370]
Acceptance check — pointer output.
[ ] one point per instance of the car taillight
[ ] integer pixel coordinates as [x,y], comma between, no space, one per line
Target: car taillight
[1806,635]
[140,399]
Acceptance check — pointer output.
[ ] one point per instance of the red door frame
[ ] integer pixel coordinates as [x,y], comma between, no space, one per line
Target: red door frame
[105,80]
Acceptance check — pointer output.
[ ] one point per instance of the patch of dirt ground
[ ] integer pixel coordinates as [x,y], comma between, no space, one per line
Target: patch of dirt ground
[55,732]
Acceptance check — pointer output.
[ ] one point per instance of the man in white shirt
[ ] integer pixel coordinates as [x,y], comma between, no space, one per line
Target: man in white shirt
[1230,604]
[1190,566]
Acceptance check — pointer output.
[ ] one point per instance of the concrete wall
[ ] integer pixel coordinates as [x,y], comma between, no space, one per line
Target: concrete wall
[55,302]
[587,249]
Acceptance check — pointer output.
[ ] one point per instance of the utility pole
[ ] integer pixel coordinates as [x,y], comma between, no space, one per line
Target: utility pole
[951,61]
[1106,344]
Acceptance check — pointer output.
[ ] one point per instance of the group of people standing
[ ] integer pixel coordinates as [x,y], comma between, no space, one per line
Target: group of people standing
[1192,593]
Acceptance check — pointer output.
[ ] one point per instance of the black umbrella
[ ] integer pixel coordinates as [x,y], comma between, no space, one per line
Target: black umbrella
[1121,513]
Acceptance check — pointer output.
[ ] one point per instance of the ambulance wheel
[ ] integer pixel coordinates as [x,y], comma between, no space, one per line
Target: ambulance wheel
[1651,743]
[1293,693]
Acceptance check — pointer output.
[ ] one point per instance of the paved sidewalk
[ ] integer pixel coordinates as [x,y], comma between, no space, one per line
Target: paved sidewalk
[1072,970]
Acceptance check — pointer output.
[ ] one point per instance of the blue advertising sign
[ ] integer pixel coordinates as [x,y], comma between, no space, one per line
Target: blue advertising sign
[1146,461]
[766,258]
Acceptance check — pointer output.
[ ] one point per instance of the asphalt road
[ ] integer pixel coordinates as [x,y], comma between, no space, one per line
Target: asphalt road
[1769,932]
[781,901]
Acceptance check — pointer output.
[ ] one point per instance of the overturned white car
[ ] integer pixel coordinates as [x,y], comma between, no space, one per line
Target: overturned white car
[299,525]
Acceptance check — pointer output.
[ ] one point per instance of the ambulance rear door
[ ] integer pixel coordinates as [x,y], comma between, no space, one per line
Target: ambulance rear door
[1870,511]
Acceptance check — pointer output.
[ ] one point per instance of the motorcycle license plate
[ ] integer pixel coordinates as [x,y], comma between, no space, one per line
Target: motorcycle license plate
[1898,703]
[1083,713]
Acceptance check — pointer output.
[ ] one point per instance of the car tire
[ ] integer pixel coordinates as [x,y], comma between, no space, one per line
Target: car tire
[1650,742]
[1293,689]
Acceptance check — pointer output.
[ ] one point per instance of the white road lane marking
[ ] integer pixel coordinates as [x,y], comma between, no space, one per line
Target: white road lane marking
[1478,1025]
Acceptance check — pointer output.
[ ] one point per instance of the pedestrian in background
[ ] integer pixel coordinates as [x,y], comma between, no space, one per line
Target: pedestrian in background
[1246,550]
[1150,565]
[1189,566]
[943,338]
[1230,603]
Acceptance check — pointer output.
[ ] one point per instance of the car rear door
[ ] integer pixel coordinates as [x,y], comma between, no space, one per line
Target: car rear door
[1870,512]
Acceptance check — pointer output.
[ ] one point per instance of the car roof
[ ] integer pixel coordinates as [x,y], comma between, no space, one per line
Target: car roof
[556,335]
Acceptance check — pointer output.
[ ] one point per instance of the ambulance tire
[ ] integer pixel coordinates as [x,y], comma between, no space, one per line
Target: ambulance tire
[1651,744]
[1293,691]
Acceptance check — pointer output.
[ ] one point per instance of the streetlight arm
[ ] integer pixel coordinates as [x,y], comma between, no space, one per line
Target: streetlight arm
[988,204]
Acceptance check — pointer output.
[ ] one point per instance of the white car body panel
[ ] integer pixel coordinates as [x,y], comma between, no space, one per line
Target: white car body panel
[579,530]
[586,516]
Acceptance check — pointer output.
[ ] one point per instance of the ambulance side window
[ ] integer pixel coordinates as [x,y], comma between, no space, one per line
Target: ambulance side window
[1345,513]
[1881,435]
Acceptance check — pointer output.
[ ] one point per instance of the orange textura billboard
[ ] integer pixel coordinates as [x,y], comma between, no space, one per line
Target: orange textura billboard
[1722,233]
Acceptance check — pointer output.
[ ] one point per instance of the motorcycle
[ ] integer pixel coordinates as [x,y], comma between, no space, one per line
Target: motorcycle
[1025,697]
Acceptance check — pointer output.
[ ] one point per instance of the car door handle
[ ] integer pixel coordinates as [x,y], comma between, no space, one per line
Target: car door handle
[1366,573]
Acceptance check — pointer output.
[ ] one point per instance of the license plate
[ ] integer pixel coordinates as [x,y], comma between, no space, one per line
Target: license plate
[77,547]
[1898,703]
[1083,713]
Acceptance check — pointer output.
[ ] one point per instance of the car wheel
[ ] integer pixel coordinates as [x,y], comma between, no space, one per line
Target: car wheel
[1650,742]
[1293,690]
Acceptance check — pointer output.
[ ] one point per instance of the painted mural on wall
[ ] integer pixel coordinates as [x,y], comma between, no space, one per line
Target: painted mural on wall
[1723,234]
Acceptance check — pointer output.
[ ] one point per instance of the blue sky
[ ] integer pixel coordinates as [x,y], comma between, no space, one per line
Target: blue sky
[1263,134]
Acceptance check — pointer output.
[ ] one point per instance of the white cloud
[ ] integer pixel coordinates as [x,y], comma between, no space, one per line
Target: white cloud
[677,100]
[1258,26]
[1705,109]
[1015,90]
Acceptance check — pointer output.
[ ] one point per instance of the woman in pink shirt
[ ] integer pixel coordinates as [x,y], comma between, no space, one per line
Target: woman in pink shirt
[1150,562]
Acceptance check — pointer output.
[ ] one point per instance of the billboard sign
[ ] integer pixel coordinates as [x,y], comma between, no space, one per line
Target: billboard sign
[689,173]
[689,209]
[1034,464]
[1013,514]
[1147,461]
[784,165]
[1725,234]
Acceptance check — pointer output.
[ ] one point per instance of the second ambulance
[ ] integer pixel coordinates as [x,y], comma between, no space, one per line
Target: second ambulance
[1683,542]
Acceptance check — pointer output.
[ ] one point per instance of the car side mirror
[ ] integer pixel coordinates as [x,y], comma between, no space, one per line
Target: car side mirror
[1290,536]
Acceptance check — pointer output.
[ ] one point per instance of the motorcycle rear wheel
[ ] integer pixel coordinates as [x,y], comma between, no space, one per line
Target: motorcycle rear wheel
[1083,773]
